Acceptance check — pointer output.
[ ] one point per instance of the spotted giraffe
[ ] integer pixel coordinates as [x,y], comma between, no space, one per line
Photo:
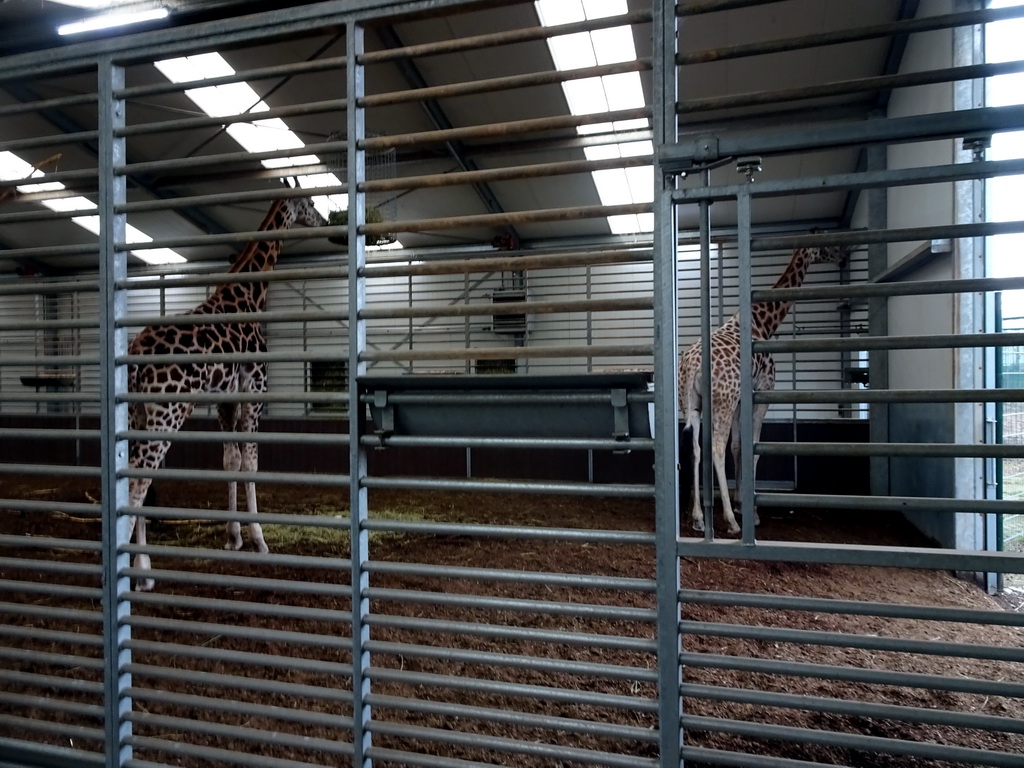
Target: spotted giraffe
[173,378]
[766,316]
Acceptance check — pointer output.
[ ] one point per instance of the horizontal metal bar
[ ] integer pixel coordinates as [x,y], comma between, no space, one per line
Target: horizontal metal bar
[876,744]
[50,566]
[505,173]
[235,318]
[851,607]
[242,76]
[846,35]
[681,157]
[508,308]
[890,396]
[234,656]
[888,290]
[32,287]
[227,358]
[220,198]
[1005,451]
[846,640]
[45,659]
[982,169]
[265,560]
[843,554]
[274,438]
[193,703]
[45,542]
[52,682]
[501,632]
[501,353]
[452,712]
[499,486]
[859,343]
[497,84]
[45,588]
[534,663]
[505,263]
[710,756]
[909,234]
[229,732]
[52,704]
[261,634]
[540,443]
[53,636]
[60,142]
[49,434]
[505,37]
[523,605]
[231,238]
[51,612]
[321,589]
[502,130]
[245,607]
[285,478]
[194,677]
[495,219]
[848,87]
[192,123]
[63,731]
[31,754]
[337,522]
[508,688]
[281,395]
[209,162]
[509,745]
[508,532]
[568,580]
[535,396]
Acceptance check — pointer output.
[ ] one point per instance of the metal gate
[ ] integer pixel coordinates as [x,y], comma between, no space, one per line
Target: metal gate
[544,603]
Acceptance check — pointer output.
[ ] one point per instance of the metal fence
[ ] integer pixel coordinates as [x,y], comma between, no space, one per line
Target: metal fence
[390,624]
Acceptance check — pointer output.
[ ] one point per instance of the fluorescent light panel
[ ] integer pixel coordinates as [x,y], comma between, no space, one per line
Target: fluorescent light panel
[110,20]
[13,167]
[604,94]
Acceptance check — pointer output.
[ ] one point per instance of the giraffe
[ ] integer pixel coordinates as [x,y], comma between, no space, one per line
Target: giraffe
[241,296]
[766,316]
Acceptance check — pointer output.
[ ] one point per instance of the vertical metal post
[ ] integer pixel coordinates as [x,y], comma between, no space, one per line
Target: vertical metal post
[878,322]
[707,484]
[113,267]
[745,481]
[666,392]
[356,131]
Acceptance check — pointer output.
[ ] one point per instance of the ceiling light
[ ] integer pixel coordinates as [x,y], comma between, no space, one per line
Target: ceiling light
[109,20]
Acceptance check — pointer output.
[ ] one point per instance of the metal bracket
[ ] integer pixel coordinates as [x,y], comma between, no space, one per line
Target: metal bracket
[748,166]
[620,413]
[386,415]
[976,144]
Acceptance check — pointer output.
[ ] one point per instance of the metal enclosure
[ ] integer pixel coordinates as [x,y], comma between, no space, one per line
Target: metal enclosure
[364,644]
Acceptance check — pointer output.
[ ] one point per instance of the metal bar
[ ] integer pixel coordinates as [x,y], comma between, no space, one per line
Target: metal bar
[513,689]
[506,37]
[595,611]
[945,125]
[525,262]
[535,397]
[212,161]
[497,84]
[233,238]
[272,438]
[745,478]
[859,180]
[228,198]
[496,486]
[905,27]
[502,632]
[887,290]
[936,341]
[570,580]
[234,656]
[501,353]
[505,531]
[241,682]
[892,396]
[894,503]
[513,746]
[933,450]
[248,607]
[878,744]
[509,308]
[839,554]
[503,130]
[515,443]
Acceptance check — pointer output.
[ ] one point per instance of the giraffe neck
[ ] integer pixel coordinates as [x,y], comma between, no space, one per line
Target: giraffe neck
[767,316]
[257,256]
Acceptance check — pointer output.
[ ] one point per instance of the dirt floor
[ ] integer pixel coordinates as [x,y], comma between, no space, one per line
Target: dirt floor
[431,632]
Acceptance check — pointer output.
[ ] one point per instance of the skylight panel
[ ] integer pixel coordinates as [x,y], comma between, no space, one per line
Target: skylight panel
[609,93]
[14,167]
[267,135]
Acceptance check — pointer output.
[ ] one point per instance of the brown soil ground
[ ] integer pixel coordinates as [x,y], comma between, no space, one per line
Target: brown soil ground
[425,650]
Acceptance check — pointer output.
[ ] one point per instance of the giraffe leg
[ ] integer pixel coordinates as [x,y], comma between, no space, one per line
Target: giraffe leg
[759,413]
[232,463]
[718,442]
[250,462]
[697,509]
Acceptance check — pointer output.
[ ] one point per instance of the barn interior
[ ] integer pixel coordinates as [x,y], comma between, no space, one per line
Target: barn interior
[475,447]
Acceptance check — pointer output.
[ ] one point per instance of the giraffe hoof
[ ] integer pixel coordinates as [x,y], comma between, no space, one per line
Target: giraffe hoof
[233,545]
[734,529]
[698,524]
[144,585]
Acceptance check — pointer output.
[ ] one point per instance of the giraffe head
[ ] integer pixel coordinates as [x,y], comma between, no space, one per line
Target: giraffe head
[300,212]
[825,254]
